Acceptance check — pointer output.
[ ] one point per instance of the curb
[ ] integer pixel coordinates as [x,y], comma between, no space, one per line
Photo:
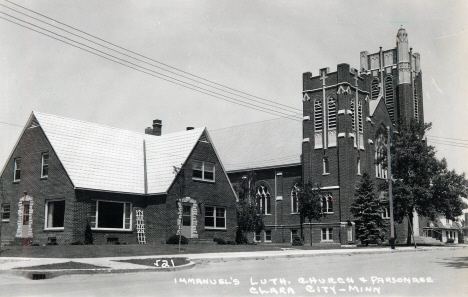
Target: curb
[49,273]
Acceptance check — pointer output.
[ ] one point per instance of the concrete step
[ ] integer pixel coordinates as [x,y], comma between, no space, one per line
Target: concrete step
[427,240]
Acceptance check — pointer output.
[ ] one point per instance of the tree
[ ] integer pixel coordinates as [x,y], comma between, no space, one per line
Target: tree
[310,206]
[367,212]
[180,181]
[249,215]
[422,183]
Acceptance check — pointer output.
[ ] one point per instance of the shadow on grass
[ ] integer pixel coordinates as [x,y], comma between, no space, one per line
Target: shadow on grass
[458,262]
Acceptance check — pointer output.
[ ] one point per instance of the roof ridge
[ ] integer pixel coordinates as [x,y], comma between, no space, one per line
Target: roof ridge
[111,127]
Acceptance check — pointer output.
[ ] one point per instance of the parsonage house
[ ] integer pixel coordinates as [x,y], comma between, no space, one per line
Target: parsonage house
[64,174]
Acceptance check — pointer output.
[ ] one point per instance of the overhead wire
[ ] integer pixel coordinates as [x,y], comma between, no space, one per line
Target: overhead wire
[166,65]
[182,83]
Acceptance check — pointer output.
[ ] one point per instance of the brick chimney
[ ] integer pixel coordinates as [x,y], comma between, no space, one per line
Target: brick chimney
[156,130]
[190,128]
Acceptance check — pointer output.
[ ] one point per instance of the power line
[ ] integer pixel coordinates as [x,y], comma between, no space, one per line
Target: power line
[166,65]
[175,73]
[246,104]
[450,144]
[430,136]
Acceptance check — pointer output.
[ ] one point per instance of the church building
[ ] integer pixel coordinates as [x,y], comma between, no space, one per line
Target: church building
[346,117]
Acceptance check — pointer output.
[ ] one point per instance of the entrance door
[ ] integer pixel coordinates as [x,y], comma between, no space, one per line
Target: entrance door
[187,220]
[26,218]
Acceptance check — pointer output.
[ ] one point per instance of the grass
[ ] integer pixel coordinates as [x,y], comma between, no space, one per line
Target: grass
[171,262]
[66,265]
[96,251]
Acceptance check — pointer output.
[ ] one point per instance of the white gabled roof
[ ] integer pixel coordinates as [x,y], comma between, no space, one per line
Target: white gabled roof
[103,158]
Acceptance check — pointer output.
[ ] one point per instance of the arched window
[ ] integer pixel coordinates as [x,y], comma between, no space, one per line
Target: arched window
[375,90]
[295,197]
[331,113]
[263,199]
[318,116]
[389,95]
[327,203]
[380,155]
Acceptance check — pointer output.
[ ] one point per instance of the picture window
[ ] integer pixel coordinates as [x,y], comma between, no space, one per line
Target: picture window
[109,215]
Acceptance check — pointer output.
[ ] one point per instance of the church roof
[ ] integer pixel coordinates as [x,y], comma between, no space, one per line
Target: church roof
[272,143]
[103,158]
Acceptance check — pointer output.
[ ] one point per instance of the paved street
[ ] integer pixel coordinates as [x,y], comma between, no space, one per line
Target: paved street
[423,273]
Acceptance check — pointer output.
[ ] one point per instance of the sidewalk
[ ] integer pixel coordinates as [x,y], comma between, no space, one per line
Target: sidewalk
[13,265]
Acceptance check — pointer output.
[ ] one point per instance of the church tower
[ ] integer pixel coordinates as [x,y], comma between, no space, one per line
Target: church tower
[346,115]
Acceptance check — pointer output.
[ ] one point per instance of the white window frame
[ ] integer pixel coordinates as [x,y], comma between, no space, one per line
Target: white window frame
[43,164]
[203,171]
[215,217]
[16,169]
[326,166]
[265,236]
[295,189]
[3,212]
[328,199]
[358,166]
[259,196]
[328,234]
[46,216]
[386,213]
[125,203]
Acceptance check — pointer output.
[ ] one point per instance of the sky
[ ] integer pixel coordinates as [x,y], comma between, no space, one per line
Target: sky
[259,47]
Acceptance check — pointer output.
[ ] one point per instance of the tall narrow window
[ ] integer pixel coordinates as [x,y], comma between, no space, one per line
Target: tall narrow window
[295,198]
[380,155]
[327,234]
[358,166]
[263,199]
[360,121]
[5,212]
[375,90]
[327,203]
[331,113]
[17,170]
[326,166]
[416,103]
[318,116]
[45,165]
[389,95]
[352,108]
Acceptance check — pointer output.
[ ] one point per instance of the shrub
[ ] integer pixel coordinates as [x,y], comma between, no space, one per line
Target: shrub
[240,237]
[174,239]
[231,242]
[450,240]
[88,235]
[297,241]
[219,240]
[78,242]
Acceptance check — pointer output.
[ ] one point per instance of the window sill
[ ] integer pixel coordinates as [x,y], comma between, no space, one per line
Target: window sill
[326,173]
[203,180]
[5,221]
[111,230]
[386,218]
[54,229]
[294,213]
[215,229]
[326,241]
[328,212]
[16,181]
[44,177]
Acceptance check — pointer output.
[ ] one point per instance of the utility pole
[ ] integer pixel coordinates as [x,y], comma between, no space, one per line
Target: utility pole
[390,190]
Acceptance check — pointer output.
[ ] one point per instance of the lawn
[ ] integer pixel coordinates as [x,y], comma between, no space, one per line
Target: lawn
[96,251]
[66,265]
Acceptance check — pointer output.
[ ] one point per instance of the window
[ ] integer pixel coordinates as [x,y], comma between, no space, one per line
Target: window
[55,214]
[45,165]
[294,233]
[380,155]
[5,212]
[375,90]
[263,199]
[26,213]
[111,215]
[326,166]
[415,99]
[389,97]
[17,170]
[318,117]
[331,113]
[203,171]
[295,198]
[359,113]
[327,203]
[386,212]
[327,234]
[186,215]
[215,217]
[258,236]
[352,108]
[359,166]
[267,235]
